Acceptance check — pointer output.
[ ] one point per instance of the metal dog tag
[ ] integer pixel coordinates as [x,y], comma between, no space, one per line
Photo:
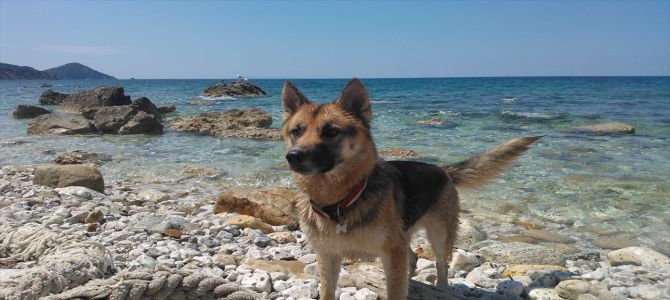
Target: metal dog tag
[341,228]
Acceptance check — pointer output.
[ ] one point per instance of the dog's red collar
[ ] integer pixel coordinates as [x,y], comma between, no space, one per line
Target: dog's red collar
[335,211]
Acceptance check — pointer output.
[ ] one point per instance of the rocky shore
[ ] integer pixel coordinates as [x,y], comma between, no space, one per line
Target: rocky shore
[134,240]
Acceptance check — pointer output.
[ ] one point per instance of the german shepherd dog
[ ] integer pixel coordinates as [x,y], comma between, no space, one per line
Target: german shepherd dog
[356,205]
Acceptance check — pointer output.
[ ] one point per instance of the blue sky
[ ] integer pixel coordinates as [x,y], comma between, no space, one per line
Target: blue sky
[339,39]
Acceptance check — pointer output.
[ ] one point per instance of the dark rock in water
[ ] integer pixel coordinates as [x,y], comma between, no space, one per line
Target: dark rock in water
[57,125]
[70,175]
[46,85]
[125,119]
[607,128]
[142,122]
[50,97]
[24,111]
[78,157]
[245,123]
[145,105]
[99,96]
[110,119]
[166,109]
[239,88]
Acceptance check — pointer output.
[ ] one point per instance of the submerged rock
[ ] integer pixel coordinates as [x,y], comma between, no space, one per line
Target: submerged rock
[25,111]
[397,153]
[70,175]
[607,128]
[50,97]
[56,125]
[239,88]
[239,123]
[521,253]
[640,256]
[78,157]
[97,97]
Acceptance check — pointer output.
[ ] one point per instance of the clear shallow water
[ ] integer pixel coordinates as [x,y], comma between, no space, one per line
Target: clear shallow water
[585,186]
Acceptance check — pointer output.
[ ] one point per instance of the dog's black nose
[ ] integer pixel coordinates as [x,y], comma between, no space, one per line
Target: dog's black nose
[296,156]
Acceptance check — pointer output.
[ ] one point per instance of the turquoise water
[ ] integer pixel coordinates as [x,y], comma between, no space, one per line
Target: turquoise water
[585,186]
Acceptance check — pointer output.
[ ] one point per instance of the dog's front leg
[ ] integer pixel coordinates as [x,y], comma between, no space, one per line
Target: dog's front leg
[329,271]
[396,271]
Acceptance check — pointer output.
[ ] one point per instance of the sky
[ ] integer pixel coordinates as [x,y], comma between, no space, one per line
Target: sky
[340,39]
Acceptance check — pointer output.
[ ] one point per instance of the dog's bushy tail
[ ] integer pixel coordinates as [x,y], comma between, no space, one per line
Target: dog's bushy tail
[483,167]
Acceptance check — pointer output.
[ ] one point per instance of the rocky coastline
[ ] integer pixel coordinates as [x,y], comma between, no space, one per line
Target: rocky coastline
[246,243]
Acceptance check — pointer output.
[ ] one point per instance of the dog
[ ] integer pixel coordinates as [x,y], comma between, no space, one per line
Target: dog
[355,205]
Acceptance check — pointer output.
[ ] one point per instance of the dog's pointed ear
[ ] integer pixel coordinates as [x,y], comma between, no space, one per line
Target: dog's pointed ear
[291,99]
[354,99]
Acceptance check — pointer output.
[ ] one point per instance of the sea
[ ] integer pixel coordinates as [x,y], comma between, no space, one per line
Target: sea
[589,187]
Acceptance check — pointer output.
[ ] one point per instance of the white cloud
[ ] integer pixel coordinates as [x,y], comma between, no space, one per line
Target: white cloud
[81,49]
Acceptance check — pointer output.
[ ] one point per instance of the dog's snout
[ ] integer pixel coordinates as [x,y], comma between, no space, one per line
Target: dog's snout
[296,156]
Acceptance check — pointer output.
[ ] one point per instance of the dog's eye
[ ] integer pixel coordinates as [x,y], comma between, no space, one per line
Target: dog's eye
[331,132]
[294,132]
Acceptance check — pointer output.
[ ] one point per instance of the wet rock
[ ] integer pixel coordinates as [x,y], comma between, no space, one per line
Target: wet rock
[238,88]
[243,221]
[521,253]
[397,153]
[571,289]
[78,157]
[24,111]
[52,124]
[125,119]
[142,123]
[612,242]
[544,235]
[606,128]
[50,97]
[145,105]
[69,175]
[640,256]
[166,109]
[192,171]
[274,206]
[97,97]
[236,123]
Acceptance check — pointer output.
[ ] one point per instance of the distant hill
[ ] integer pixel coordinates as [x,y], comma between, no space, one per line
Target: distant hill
[76,71]
[8,71]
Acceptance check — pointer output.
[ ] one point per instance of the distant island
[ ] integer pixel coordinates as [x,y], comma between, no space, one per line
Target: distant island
[67,71]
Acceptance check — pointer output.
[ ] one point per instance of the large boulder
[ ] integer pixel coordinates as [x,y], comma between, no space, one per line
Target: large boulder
[56,125]
[239,123]
[111,119]
[50,97]
[166,109]
[99,96]
[606,128]
[142,122]
[69,175]
[140,117]
[239,88]
[24,111]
